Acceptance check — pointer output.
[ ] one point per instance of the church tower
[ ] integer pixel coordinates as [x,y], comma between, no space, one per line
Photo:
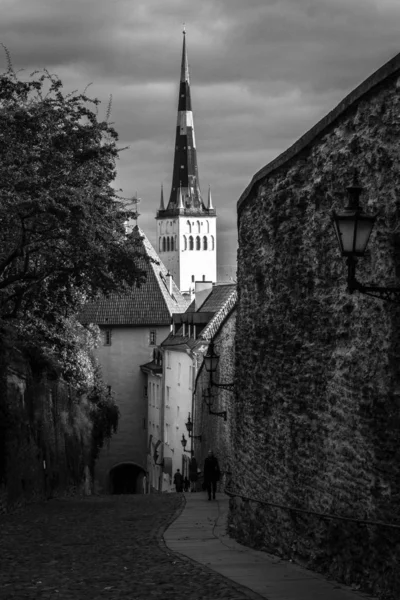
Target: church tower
[186,228]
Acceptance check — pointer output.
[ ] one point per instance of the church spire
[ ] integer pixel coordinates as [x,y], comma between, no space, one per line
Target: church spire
[162,207]
[185,172]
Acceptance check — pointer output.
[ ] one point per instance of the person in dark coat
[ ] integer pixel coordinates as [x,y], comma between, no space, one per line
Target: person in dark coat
[178,481]
[211,474]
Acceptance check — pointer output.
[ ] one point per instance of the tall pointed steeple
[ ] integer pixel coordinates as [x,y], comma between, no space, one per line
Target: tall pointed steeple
[185,159]
[162,207]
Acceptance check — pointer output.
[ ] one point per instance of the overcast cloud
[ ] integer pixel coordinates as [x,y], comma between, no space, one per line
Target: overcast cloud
[262,73]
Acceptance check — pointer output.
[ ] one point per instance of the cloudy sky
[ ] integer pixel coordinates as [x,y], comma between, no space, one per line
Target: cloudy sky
[262,73]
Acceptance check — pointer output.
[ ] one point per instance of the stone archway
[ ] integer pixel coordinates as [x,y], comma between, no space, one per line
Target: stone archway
[126,478]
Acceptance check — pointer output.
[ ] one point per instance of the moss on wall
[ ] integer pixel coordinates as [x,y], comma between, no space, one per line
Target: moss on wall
[317,422]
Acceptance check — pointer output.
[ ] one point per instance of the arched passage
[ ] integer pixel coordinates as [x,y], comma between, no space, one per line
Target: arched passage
[126,478]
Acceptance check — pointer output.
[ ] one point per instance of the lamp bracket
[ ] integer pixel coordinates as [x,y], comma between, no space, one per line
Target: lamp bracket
[218,414]
[390,294]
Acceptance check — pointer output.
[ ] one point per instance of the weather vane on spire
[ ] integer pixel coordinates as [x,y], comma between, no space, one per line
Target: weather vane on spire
[136,201]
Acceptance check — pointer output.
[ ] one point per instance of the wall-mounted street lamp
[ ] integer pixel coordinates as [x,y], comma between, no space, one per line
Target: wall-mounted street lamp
[189,427]
[184,442]
[211,360]
[209,399]
[353,229]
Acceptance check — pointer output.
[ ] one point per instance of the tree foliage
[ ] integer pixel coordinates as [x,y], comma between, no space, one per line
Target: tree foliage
[62,230]
[62,234]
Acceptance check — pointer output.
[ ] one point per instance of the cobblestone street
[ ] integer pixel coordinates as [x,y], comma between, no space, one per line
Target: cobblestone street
[101,547]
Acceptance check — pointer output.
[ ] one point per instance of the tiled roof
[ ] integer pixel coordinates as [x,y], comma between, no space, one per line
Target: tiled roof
[150,304]
[219,295]
[218,304]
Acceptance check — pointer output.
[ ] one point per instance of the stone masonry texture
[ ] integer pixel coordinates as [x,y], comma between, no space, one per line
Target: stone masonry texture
[215,431]
[317,412]
[44,437]
[101,547]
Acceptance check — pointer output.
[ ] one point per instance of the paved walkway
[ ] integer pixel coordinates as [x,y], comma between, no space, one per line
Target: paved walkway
[199,533]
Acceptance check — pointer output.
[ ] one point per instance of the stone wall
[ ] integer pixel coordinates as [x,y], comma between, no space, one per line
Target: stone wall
[215,431]
[317,423]
[45,438]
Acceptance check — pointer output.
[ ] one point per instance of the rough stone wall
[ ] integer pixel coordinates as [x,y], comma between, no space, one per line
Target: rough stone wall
[216,433]
[45,438]
[317,422]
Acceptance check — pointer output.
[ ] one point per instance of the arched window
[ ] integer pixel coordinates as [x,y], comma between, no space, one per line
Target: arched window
[176,242]
[212,242]
[159,244]
[198,226]
[163,244]
[184,242]
[207,227]
[198,245]
[172,244]
[189,227]
[168,246]
[161,227]
[205,246]
[190,242]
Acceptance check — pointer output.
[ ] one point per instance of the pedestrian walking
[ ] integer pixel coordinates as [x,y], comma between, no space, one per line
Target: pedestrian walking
[211,474]
[186,484]
[178,481]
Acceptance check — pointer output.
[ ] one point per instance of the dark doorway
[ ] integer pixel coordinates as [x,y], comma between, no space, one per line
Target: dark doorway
[126,478]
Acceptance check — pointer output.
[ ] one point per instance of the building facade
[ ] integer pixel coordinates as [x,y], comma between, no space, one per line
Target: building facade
[317,418]
[187,228]
[131,327]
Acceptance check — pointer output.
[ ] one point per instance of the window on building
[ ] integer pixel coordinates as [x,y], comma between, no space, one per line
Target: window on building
[207,227]
[153,337]
[168,392]
[198,246]
[189,227]
[212,242]
[145,391]
[158,396]
[190,242]
[205,244]
[167,435]
[172,244]
[107,337]
[168,246]
[163,244]
[198,226]
[184,242]
[159,244]
[168,360]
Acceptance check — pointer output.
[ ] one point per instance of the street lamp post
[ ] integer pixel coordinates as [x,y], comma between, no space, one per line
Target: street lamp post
[208,399]
[353,229]
[189,427]
[184,442]
[211,360]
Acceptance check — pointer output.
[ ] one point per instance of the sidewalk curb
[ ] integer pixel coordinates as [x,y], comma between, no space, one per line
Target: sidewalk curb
[250,594]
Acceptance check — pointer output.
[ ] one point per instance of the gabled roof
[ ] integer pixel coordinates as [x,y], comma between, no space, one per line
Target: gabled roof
[218,305]
[149,304]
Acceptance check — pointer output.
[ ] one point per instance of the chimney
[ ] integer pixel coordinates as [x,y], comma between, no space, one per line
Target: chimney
[202,290]
[169,283]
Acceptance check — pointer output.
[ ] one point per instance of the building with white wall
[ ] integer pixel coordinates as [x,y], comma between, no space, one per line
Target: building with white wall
[132,325]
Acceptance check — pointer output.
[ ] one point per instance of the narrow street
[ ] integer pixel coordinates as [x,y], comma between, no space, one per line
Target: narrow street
[100,547]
